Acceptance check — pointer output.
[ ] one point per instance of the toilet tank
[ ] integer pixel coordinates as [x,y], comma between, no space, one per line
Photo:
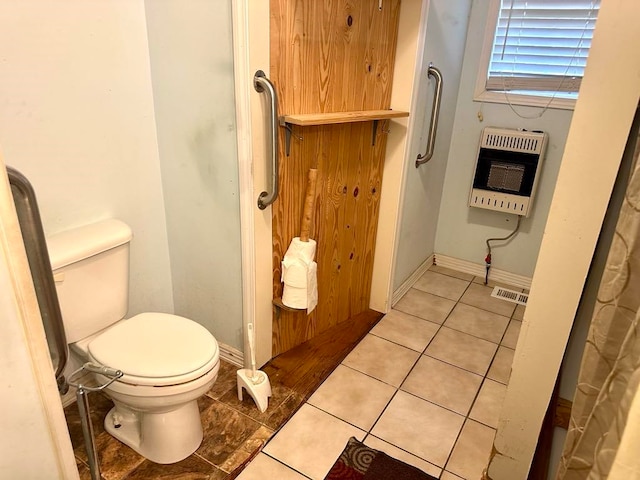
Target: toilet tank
[91,270]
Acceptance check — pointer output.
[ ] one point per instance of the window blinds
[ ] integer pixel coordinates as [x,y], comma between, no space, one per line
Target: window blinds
[541,44]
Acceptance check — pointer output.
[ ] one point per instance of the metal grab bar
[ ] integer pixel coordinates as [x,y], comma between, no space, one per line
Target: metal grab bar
[435,112]
[262,84]
[35,244]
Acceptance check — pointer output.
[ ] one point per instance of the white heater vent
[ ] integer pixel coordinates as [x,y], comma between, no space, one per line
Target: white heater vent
[507,170]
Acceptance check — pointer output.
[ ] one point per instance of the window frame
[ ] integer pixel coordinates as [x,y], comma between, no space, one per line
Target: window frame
[481,94]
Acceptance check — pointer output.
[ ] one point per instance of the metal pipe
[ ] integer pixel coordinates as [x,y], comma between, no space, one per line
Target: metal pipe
[35,244]
[262,84]
[82,398]
[435,113]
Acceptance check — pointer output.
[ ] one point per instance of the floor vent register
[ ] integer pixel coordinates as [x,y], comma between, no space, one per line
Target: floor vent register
[510,295]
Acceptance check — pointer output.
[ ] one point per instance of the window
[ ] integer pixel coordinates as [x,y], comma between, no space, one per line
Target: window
[536,51]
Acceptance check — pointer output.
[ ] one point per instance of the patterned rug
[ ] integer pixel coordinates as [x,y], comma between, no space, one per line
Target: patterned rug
[359,462]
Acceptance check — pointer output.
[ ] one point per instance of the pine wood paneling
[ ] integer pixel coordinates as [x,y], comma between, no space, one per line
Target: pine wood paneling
[326,57]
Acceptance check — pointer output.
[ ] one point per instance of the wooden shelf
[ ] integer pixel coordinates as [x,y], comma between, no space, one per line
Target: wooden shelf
[308,119]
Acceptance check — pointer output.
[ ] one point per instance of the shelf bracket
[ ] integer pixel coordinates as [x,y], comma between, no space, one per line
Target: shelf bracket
[374,130]
[287,135]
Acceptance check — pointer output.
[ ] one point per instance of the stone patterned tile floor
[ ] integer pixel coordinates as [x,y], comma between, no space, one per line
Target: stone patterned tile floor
[233,432]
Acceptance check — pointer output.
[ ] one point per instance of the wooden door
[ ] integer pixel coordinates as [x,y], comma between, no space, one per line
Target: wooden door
[331,56]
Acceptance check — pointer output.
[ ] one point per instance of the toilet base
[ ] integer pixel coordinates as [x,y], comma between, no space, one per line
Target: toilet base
[162,437]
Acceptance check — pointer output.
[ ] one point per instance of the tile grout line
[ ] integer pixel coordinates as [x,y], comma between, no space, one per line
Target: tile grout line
[284,464]
[484,377]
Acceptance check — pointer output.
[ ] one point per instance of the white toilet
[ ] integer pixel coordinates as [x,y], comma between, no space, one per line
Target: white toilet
[168,361]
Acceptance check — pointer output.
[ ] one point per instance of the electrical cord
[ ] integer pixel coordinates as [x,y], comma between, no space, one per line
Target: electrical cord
[487,259]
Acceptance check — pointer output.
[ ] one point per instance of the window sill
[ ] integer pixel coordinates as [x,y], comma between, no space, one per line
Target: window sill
[524,100]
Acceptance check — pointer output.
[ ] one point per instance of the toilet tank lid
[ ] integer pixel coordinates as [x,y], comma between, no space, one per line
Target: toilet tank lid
[83,242]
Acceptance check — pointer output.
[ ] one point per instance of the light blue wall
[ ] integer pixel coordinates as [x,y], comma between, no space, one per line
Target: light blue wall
[191,52]
[461,231]
[446,31]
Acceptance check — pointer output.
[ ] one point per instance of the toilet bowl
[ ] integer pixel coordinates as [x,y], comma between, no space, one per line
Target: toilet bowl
[167,361]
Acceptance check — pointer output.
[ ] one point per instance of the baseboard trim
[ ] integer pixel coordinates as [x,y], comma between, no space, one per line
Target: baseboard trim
[479,270]
[409,282]
[231,355]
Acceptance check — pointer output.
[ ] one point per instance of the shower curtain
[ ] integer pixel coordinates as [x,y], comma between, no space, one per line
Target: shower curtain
[603,441]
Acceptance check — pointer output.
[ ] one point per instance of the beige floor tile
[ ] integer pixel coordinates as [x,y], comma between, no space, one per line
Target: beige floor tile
[500,369]
[510,338]
[470,456]
[264,467]
[480,296]
[353,397]
[399,454]
[311,441]
[441,285]
[419,427]
[451,272]
[462,350]
[450,476]
[382,359]
[487,407]
[518,314]
[406,330]
[477,322]
[425,305]
[443,384]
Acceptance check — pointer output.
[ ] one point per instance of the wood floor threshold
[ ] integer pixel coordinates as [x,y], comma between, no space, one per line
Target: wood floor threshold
[306,366]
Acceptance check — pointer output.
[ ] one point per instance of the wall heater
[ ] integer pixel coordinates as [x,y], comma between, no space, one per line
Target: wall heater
[507,170]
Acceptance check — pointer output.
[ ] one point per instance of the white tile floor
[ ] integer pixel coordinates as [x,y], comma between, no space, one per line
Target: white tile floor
[425,386]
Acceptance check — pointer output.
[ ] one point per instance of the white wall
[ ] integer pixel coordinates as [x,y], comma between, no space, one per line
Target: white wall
[77,118]
[462,230]
[447,23]
[193,86]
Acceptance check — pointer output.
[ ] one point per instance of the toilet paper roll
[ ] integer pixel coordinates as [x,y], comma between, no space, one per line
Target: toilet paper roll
[299,275]
[305,295]
[295,272]
[312,287]
[304,251]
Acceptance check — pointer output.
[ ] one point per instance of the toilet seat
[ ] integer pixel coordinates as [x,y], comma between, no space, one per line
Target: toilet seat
[156,349]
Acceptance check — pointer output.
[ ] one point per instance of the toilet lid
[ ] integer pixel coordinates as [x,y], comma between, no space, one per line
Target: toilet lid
[155,346]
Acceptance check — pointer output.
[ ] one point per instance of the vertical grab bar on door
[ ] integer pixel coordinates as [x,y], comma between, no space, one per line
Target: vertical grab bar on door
[24,198]
[435,112]
[262,84]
